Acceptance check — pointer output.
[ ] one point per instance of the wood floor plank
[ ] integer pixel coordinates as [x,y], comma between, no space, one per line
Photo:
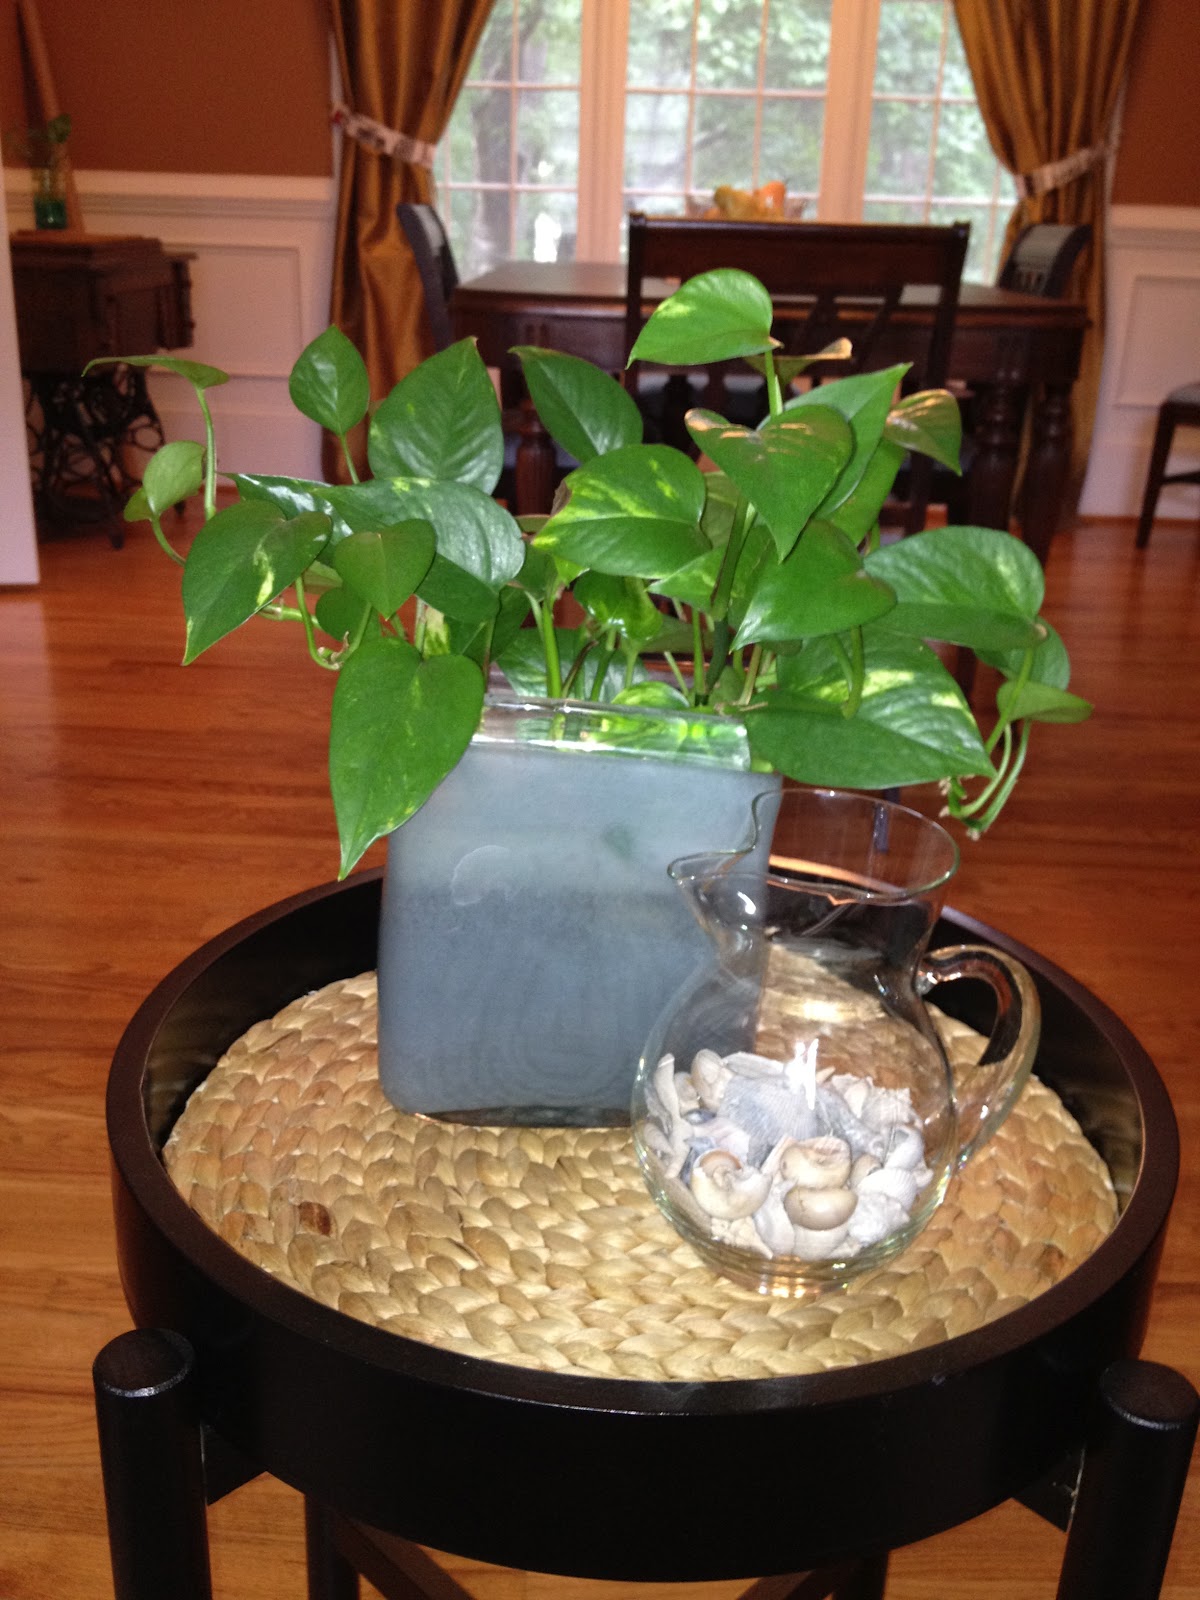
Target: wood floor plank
[146,807]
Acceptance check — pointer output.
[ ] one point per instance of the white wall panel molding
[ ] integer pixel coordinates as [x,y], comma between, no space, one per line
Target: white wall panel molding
[262,253]
[1152,346]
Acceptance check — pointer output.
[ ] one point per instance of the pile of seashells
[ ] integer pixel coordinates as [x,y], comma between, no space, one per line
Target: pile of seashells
[783,1159]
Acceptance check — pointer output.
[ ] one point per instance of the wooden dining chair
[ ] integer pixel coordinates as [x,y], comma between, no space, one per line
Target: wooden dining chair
[827,280]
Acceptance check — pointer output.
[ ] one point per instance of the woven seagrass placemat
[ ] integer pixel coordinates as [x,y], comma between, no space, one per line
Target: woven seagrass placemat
[542,1248]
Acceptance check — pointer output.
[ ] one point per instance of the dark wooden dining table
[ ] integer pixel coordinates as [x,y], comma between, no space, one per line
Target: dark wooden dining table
[1016,353]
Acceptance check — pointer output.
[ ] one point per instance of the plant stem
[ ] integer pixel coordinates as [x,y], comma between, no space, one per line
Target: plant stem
[162,539]
[1019,682]
[210,457]
[774,391]
[674,666]
[699,687]
[321,657]
[544,616]
[350,467]
[858,674]
[755,662]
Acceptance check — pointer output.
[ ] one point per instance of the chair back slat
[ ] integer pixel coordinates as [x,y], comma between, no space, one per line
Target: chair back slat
[435,262]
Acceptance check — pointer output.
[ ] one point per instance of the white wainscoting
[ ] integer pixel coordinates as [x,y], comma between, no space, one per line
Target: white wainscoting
[263,250]
[1152,346]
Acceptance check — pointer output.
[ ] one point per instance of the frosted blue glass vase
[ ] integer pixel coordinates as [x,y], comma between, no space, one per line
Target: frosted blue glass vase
[530,932]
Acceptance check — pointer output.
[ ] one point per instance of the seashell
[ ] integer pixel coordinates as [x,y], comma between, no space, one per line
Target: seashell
[687,1094]
[820,1163]
[725,1188]
[884,1108]
[893,1181]
[854,1091]
[748,1065]
[862,1165]
[836,1117]
[774,1227]
[904,1147]
[812,1245]
[820,1209]
[718,1133]
[709,1076]
[768,1111]
[875,1217]
[663,1100]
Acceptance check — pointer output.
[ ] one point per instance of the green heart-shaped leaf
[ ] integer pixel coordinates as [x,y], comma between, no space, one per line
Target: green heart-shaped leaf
[398,726]
[386,566]
[172,474]
[789,367]
[473,531]
[584,409]
[713,317]
[858,513]
[912,726]
[451,589]
[1038,702]
[865,400]
[634,512]
[785,468]
[930,424]
[622,603]
[329,382]
[239,561]
[964,567]
[441,421]
[196,373]
[821,588]
[340,613]
[977,627]
[1051,663]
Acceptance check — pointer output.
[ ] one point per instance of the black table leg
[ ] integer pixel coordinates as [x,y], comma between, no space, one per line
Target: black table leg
[330,1575]
[1134,1470]
[153,1467]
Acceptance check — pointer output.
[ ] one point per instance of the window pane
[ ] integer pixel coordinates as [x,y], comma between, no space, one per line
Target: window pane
[493,54]
[956,74]
[965,164]
[548,46]
[545,227]
[723,142]
[548,136]
[478,222]
[655,141]
[893,211]
[728,40]
[797,54]
[791,144]
[901,142]
[660,46]
[480,137]
[908,53]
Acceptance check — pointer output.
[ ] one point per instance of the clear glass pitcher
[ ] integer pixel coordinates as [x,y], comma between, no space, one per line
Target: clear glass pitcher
[795,1113]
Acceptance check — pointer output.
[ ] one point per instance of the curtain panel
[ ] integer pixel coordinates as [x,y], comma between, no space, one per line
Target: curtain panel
[402,64]
[1048,75]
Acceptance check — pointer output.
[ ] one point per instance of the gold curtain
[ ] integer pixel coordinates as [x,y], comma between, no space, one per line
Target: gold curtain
[402,63]
[1048,74]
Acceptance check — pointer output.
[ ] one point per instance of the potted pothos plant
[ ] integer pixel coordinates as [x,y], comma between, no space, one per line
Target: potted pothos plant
[747,616]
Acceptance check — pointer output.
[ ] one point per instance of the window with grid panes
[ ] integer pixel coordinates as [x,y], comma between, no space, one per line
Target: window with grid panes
[577,111]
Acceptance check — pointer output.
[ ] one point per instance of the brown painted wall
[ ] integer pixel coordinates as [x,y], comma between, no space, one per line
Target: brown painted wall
[242,86]
[184,85]
[1159,159]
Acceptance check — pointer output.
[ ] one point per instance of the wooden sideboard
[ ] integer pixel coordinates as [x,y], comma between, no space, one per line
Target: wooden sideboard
[80,296]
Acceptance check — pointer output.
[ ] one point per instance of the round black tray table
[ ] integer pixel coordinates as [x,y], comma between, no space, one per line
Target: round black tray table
[396,1441]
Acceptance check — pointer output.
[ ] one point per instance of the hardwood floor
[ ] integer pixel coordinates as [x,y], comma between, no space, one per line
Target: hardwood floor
[146,807]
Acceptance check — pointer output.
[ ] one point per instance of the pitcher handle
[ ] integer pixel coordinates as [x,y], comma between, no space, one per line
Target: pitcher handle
[987,1092]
